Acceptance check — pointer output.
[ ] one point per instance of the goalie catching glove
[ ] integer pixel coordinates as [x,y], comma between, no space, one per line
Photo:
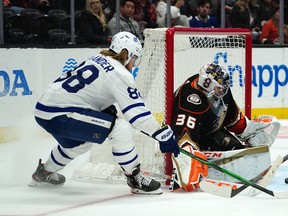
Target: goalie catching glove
[261,131]
[167,140]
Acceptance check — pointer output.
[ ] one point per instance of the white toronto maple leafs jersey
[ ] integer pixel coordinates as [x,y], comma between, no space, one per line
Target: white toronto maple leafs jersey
[96,84]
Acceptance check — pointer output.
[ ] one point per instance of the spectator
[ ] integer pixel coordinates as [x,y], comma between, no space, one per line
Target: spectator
[161,9]
[176,19]
[145,14]
[203,19]
[127,23]
[214,12]
[183,6]
[228,8]
[15,5]
[270,30]
[6,3]
[229,5]
[109,8]
[264,11]
[93,26]
[244,15]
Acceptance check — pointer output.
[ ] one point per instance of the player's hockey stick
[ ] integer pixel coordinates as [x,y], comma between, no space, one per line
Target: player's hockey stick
[267,177]
[247,182]
[226,190]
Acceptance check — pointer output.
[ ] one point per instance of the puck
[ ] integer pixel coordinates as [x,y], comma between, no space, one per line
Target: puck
[286,180]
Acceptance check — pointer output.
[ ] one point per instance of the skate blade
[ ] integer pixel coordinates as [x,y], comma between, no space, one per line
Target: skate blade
[34,183]
[139,191]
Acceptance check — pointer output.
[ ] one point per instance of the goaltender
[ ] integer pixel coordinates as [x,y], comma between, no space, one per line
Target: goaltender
[207,118]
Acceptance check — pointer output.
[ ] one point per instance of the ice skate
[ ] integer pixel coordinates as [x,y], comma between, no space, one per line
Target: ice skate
[141,184]
[42,177]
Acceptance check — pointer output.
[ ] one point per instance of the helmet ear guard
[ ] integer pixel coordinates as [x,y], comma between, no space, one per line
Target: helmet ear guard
[128,41]
[212,77]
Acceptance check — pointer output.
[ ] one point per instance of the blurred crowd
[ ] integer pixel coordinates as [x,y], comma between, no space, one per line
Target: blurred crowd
[49,21]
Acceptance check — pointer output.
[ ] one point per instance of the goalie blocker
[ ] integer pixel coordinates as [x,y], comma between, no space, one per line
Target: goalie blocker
[248,162]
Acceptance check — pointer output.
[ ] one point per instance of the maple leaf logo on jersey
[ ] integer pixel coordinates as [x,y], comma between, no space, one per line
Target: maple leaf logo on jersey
[194,98]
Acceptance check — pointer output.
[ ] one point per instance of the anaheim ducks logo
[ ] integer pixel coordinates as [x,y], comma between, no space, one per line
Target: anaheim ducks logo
[194,98]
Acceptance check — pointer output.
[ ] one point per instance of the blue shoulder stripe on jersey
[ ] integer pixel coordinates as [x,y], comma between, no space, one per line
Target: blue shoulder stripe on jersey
[132,106]
[122,153]
[45,108]
[139,116]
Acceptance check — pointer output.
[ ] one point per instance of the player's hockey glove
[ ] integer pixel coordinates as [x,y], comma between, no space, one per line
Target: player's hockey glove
[167,140]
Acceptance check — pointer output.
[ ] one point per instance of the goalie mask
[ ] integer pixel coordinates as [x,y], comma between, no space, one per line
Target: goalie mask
[214,79]
[128,41]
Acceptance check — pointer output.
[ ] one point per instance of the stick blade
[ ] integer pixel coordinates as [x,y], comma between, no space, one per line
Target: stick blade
[281,194]
[223,191]
[266,179]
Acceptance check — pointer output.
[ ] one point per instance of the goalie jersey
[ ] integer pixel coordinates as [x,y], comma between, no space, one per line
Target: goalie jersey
[199,116]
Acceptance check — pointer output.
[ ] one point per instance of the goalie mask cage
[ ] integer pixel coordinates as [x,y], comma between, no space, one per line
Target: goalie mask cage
[170,56]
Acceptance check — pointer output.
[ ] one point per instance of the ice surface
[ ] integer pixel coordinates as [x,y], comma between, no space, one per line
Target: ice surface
[19,159]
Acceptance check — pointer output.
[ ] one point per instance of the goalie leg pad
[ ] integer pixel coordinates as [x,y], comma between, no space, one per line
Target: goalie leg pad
[188,171]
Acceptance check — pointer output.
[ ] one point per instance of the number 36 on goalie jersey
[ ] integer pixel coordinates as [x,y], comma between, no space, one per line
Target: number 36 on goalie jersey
[186,121]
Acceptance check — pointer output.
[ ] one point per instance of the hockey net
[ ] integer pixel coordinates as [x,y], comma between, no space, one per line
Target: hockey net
[170,56]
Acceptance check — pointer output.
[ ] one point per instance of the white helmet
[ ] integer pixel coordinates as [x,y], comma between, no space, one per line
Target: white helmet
[126,40]
[214,79]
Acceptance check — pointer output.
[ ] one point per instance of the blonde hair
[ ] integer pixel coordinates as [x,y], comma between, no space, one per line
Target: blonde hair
[275,20]
[119,57]
[100,15]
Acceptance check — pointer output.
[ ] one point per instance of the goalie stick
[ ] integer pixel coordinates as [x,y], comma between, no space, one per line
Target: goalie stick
[281,195]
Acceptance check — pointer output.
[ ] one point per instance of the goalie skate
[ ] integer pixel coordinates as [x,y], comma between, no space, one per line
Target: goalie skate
[41,177]
[141,184]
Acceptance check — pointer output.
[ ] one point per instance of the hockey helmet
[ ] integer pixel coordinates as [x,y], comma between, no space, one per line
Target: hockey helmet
[214,79]
[128,41]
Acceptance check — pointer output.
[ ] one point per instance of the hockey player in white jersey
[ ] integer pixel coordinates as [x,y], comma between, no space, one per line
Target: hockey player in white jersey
[77,110]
